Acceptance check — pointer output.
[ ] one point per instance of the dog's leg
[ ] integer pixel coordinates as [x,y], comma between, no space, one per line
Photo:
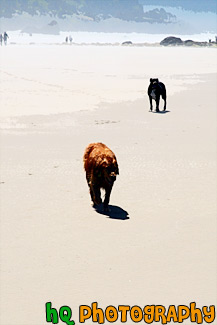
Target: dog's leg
[88,178]
[165,103]
[157,103]
[92,195]
[107,197]
[96,194]
[150,100]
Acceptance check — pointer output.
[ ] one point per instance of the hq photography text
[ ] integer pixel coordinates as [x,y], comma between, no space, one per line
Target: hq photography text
[123,313]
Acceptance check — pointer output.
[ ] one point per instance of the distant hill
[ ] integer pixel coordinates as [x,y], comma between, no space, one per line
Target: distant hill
[96,10]
[192,5]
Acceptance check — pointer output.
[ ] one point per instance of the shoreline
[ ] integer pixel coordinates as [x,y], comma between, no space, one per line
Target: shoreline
[195,45]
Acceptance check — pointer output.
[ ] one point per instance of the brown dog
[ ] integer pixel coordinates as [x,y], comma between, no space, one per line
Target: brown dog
[101,169]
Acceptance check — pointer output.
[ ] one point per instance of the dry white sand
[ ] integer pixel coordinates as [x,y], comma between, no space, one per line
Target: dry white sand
[54,247]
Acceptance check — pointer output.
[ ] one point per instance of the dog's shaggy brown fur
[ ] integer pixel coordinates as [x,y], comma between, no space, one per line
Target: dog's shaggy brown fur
[101,169]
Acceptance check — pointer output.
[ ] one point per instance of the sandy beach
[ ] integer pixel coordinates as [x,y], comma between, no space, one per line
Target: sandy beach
[158,244]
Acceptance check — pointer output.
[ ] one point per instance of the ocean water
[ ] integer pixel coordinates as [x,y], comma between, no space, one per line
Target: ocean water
[16,37]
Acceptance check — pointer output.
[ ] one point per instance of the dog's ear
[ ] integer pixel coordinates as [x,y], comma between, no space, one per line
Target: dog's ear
[115,166]
[151,80]
[157,80]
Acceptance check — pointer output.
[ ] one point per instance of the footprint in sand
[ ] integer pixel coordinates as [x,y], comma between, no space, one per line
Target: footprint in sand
[105,122]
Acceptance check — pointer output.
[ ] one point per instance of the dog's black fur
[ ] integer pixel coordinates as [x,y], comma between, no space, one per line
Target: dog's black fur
[155,90]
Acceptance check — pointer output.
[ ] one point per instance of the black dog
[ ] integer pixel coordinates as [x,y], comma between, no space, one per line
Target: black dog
[155,90]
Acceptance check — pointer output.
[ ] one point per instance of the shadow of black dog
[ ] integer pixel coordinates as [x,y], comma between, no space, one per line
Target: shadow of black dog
[160,112]
[114,212]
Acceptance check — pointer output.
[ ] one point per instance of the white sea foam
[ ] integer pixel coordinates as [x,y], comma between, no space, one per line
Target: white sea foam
[96,37]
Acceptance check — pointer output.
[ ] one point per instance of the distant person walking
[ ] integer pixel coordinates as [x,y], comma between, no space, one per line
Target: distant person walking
[1,39]
[70,38]
[67,39]
[5,38]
